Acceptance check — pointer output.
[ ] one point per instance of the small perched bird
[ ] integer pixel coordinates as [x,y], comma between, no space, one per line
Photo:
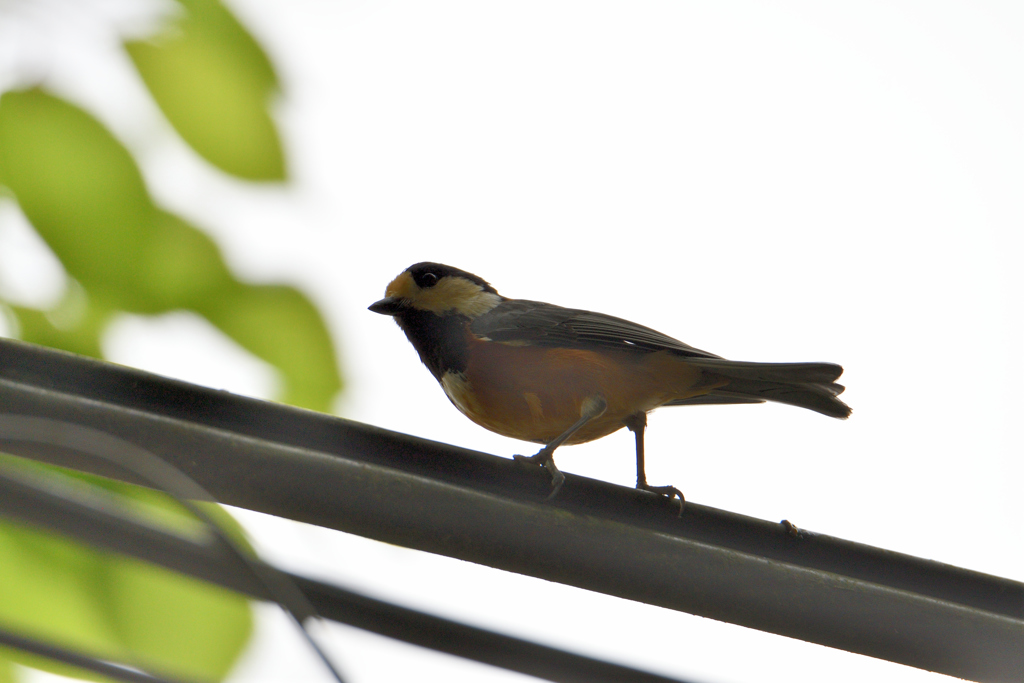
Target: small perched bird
[552,375]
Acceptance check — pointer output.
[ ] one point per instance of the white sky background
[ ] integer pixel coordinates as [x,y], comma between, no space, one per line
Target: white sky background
[792,181]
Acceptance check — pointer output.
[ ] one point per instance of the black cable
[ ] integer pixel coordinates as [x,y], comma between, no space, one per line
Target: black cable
[476,507]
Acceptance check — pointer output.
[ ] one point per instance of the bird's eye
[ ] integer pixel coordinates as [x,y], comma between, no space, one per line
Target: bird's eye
[428,280]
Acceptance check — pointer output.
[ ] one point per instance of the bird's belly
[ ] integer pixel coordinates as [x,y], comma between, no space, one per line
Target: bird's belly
[535,394]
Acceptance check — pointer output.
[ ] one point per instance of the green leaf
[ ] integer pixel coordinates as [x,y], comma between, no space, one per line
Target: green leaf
[80,189]
[281,326]
[6,668]
[83,192]
[50,590]
[215,85]
[82,338]
[185,627]
[110,606]
[179,266]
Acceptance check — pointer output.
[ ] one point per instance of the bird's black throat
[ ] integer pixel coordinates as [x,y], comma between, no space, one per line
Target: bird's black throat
[440,340]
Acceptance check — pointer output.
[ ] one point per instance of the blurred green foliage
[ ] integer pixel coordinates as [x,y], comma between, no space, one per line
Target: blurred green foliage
[116,608]
[84,194]
[213,82]
[82,191]
[112,607]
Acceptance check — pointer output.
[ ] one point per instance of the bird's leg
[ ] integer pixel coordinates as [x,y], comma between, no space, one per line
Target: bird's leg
[637,423]
[592,408]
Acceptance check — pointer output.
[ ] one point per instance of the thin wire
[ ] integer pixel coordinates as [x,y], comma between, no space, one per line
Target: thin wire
[174,483]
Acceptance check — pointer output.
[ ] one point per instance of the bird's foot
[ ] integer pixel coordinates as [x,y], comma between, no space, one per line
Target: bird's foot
[670,492]
[537,458]
[547,459]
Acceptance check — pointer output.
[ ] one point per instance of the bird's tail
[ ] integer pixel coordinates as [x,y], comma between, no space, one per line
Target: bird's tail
[805,385]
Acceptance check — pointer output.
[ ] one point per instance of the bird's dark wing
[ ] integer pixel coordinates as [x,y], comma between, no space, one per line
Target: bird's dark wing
[540,324]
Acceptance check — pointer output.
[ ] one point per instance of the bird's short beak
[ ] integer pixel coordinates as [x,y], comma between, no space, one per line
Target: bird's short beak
[389,305]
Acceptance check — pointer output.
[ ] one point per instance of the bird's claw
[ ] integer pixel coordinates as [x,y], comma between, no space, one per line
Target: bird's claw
[557,478]
[546,460]
[670,492]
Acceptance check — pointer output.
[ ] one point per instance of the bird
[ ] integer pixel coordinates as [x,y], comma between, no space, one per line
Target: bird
[556,376]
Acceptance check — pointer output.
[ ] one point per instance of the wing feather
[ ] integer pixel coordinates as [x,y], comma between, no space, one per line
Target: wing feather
[541,324]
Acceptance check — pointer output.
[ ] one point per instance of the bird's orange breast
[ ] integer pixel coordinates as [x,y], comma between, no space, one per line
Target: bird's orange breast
[535,393]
